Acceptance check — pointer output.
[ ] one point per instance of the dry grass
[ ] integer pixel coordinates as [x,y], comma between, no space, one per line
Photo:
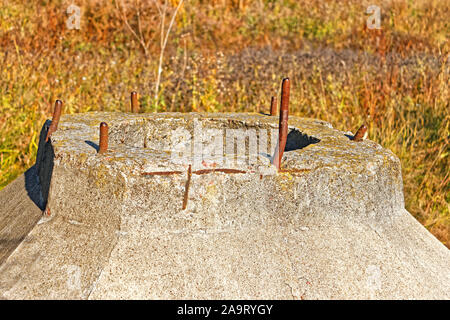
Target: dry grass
[231,56]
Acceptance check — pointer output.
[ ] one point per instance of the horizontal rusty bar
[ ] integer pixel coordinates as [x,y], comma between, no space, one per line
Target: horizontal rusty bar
[198,172]
[205,171]
[161,173]
[228,171]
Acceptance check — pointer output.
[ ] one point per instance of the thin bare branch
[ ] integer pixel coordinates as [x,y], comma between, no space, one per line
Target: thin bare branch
[163,46]
[157,7]
[163,20]
[125,19]
[138,5]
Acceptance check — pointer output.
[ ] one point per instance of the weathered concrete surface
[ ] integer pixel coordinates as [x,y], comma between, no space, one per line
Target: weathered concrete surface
[18,212]
[332,225]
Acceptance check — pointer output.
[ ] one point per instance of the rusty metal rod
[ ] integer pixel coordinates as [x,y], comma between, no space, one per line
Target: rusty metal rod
[283,123]
[134,102]
[360,134]
[55,119]
[103,144]
[273,106]
[186,189]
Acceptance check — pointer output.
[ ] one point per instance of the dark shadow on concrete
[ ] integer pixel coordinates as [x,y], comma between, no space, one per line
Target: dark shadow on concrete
[33,187]
[298,140]
[92,144]
[38,177]
[11,242]
[25,198]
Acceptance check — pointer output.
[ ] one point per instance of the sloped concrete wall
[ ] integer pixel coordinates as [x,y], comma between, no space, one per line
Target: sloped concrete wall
[216,220]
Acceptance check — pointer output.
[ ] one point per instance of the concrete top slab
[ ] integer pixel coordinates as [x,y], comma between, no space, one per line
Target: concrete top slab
[147,141]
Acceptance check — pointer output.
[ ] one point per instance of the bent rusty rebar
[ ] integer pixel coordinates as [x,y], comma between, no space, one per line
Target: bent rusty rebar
[283,122]
[273,106]
[134,102]
[103,143]
[55,119]
[360,134]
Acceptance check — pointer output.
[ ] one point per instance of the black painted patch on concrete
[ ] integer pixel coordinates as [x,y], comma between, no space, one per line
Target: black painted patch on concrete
[298,140]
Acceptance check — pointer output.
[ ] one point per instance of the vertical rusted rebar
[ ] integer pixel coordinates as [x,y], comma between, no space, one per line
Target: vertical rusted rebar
[186,189]
[283,123]
[134,102]
[55,119]
[360,134]
[273,106]
[103,144]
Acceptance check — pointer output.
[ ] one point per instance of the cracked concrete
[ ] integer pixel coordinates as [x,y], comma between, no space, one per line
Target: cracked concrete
[330,225]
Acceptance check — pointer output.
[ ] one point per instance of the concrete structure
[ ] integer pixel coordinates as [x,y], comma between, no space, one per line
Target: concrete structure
[215,220]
